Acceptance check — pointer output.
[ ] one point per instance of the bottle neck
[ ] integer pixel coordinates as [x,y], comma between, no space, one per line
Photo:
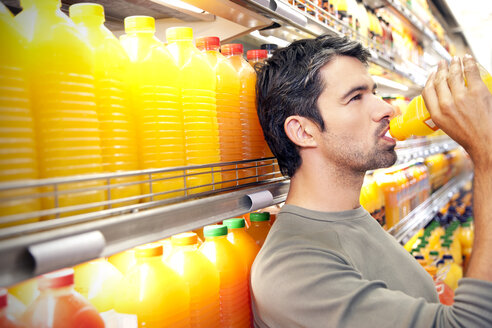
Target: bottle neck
[61,291]
[88,21]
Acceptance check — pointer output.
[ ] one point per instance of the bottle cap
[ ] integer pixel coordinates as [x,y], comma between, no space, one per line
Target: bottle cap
[269,46]
[447,257]
[56,279]
[139,24]
[149,250]
[232,49]
[179,34]
[434,253]
[207,43]
[215,230]
[419,257]
[259,216]
[3,298]
[234,223]
[256,54]
[78,11]
[184,239]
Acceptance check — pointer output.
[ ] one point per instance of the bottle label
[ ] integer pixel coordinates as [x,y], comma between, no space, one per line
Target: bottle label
[430,123]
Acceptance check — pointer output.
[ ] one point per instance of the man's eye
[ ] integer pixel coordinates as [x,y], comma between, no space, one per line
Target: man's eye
[356,97]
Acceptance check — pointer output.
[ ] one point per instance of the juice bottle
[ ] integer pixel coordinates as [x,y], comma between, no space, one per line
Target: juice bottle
[63,103]
[123,261]
[417,121]
[98,282]
[201,277]
[59,306]
[6,319]
[466,239]
[234,293]
[227,101]
[18,158]
[252,135]
[156,103]
[26,291]
[266,168]
[198,100]
[271,47]
[388,184]
[245,244]
[116,121]
[153,293]
[260,226]
[449,272]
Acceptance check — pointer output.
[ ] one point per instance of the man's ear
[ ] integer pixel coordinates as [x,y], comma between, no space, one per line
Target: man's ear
[300,131]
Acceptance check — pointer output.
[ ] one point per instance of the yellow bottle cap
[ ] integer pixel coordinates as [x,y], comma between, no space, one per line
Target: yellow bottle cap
[139,24]
[78,11]
[179,34]
[184,239]
[149,250]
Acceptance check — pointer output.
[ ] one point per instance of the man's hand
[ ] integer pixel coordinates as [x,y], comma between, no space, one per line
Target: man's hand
[464,112]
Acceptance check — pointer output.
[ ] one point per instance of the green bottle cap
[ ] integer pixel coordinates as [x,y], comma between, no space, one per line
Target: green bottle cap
[259,216]
[215,230]
[234,223]
[434,253]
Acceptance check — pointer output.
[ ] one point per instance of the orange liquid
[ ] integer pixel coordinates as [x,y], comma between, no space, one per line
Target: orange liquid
[123,261]
[63,102]
[18,158]
[245,245]
[259,231]
[234,301]
[390,188]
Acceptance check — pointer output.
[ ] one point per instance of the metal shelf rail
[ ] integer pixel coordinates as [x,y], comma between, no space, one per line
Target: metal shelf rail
[414,149]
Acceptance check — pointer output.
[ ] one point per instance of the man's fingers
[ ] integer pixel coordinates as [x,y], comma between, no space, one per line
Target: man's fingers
[441,86]
[472,74]
[455,77]
[430,96]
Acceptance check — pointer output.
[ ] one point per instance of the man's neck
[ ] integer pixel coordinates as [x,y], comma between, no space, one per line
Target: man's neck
[325,189]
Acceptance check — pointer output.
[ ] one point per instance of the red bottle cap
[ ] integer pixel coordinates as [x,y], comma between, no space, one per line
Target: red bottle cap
[257,54]
[3,298]
[207,43]
[232,49]
[56,279]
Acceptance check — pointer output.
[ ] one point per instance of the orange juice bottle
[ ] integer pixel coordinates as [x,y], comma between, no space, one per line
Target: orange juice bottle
[245,244]
[123,261]
[156,103]
[260,226]
[98,282]
[466,239]
[63,102]
[59,306]
[198,98]
[26,291]
[417,121]
[388,184]
[449,272]
[18,159]
[7,320]
[153,292]
[234,292]
[117,124]
[228,115]
[201,277]
[252,137]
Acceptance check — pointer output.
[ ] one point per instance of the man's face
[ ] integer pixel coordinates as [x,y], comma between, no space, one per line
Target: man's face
[356,120]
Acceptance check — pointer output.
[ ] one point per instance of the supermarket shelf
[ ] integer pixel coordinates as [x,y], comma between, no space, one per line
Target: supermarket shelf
[414,149]
[35,248]
[424,213]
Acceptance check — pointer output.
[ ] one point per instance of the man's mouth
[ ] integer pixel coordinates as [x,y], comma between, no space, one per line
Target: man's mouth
[385,135]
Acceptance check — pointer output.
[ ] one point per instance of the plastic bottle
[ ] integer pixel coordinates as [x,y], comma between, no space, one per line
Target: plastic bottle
[417,121]
[449,272]
[18,159]
[59,306]
[201,277]
[156,102]
[253,142]
[116,120]
[7,320]
[235,308]
[245,244]
[153,293]
[466,239]
[123,261]
[271,47]
[198,98]
[63,102]
[98,282]
[26,291]
[260,226]
[388,184]
[228,107]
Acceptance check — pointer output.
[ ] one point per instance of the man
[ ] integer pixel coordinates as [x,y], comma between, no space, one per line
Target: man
[326,261]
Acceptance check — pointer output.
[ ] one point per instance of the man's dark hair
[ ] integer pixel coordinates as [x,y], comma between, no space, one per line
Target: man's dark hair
[289,83]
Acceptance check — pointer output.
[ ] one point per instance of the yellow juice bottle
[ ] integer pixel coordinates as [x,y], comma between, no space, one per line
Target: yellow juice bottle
[63,103]
[417,121]
[18,158]
[117,124]
[156,103]
[198,99]
[228,115]
[250,125]
[123,261]
[153,292]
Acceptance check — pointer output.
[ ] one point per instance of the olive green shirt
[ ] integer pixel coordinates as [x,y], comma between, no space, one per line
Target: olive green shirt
[341,269]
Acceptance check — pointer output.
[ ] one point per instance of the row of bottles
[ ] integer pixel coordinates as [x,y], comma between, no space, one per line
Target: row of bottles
[75,100]
[182,281]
